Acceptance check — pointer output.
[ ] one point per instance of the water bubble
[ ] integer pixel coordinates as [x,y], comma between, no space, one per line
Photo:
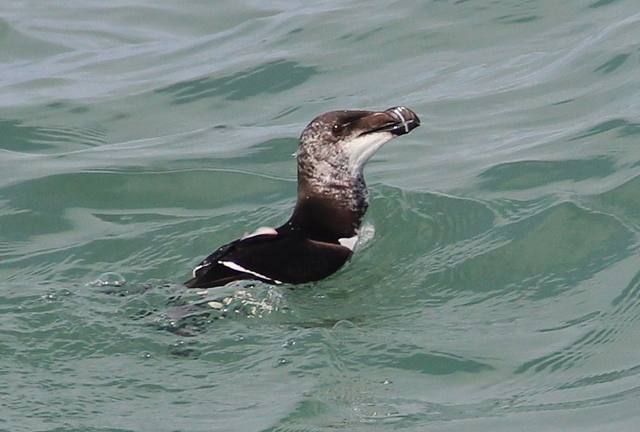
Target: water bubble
[52,296]
[344,325]
[215,305]
[109,279]
[281,362]
[288,343]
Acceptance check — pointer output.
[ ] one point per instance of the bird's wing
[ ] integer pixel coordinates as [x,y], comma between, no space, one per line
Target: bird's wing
[272,258]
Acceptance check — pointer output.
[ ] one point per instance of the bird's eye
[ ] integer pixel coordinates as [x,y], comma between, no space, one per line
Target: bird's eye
[337,128]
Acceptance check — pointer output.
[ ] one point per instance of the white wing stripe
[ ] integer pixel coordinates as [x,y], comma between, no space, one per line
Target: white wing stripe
[239,268]
[198,268]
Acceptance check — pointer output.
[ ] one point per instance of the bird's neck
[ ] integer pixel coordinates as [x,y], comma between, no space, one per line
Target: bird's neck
[329,209]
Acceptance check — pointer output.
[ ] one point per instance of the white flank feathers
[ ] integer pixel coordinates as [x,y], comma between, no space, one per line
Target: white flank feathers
[349,242]
[261,231]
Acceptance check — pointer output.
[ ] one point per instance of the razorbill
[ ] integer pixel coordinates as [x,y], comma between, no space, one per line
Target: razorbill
[332,199]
